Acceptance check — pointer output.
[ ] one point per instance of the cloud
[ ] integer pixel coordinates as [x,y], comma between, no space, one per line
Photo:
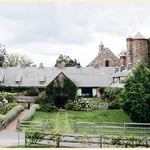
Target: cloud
[75,29]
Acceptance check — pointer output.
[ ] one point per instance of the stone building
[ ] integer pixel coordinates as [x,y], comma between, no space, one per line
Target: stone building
[105,58]
[137,49]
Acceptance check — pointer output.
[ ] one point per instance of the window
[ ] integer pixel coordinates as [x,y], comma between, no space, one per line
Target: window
[106,63]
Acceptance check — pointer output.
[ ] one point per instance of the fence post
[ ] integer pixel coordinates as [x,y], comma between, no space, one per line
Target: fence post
[42,125]
[101,141]
[75,126]
[124,128]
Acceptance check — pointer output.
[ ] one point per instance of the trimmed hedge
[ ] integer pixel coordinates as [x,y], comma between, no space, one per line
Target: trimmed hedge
[12,114]
[48,108]
[30,114]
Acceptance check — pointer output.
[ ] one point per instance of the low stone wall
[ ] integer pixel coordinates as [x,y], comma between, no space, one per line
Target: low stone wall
[25,98]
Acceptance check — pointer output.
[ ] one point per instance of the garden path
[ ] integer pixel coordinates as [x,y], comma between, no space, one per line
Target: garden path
[62,122]
[12,126]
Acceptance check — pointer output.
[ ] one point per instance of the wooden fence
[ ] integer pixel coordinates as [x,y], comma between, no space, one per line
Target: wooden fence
[85,140]
[113,128]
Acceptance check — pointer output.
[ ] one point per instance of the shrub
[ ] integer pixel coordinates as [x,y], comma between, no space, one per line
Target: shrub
[70,105]
[1,98]
[48,108]
[82,104]
[6,108]
[114,105]
[30,114]
[32,92]
[2,117]
[42,98]
[12,114]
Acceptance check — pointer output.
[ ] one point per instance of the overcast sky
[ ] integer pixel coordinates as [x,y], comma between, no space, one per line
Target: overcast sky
[44,30]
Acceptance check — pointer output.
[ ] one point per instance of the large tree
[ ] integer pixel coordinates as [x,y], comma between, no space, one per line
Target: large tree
[68,62]
[15,59]
[136,94]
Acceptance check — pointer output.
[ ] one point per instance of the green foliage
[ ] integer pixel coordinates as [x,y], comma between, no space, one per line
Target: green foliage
[7,107]
[10,115]
[67,60]
[1,98]
[30,114]
[135,97]
[81,104]
[70,105]
[48,108]
[14,60]
[34,137]
[112,93]
[149,52]
[8,96]
[2,117]
[128,141]
[32,92]
[61,89]
[114,105]
[42,98]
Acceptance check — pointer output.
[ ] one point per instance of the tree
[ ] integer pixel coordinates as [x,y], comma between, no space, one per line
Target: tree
[69,62]
[135,97]
[14,60]
[149,52]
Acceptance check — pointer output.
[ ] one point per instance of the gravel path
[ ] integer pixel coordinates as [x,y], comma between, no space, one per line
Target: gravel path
[12,125]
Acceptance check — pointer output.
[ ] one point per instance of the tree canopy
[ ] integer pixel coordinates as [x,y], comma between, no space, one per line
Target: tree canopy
[136,94]
[68,61]
[14,60]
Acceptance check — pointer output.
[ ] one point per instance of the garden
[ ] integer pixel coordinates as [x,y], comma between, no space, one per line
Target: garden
[62,111]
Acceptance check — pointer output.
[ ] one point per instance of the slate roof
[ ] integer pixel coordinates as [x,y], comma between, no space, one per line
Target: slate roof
[41,77]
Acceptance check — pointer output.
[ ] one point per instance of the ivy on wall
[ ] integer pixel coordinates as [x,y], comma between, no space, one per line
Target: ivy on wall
[61,87]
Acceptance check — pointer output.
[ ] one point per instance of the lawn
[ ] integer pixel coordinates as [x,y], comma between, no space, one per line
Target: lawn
[64,121]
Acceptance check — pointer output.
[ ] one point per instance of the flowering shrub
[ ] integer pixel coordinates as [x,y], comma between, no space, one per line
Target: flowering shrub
[82,104]
[30,114]
[10,115]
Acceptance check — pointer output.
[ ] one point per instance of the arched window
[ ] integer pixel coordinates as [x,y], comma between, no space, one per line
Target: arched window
[106,63]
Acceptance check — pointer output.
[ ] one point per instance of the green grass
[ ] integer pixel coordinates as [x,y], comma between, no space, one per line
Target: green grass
[64,121]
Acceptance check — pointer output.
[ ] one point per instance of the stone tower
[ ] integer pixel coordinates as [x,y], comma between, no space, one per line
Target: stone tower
[137,49]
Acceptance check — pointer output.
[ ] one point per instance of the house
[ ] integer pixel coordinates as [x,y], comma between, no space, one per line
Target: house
[87,79]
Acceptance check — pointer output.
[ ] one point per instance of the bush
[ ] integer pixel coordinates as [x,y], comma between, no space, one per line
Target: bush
[30,114]
[48,108]
[82,104]
[1,98]
[70,105]
[7,107]
[12,114]
[42,98]
[32,92]
[2,117]
[113,105]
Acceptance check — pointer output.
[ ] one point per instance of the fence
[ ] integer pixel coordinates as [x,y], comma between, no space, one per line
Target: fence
[43,125]
[88,134]
[113,128]
[85,140]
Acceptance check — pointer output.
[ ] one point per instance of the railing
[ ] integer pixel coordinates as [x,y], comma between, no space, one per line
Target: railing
[113,128]
[43,125]
[85,140]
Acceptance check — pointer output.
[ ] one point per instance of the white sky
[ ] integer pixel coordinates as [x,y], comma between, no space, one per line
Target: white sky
[44,30]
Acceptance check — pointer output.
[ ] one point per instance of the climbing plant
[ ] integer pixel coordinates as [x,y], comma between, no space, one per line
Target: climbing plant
[61,89]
